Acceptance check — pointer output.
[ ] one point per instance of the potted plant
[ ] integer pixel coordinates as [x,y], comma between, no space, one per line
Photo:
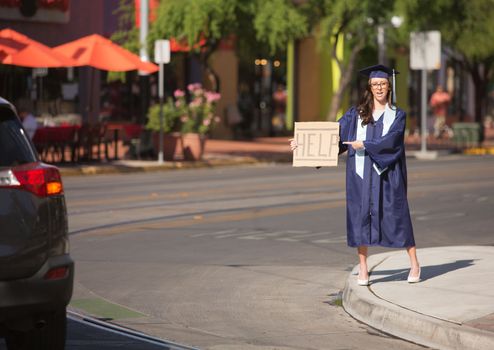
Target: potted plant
[171,128]
[198,120]
[187,120]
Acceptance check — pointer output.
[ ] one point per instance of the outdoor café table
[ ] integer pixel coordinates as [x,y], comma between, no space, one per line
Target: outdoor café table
[121,131]
[54,140]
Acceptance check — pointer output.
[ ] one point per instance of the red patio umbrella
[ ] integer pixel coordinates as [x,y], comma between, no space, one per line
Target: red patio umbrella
[99,52]
[19,50]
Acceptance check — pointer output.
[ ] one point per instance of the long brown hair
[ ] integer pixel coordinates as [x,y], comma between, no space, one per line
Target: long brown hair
[366,106]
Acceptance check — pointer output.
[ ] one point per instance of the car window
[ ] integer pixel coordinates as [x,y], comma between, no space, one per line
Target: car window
[15,147]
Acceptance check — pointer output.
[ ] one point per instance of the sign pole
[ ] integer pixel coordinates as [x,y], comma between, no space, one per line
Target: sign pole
[161,56]
[160,94]
[423,126]
[425,54]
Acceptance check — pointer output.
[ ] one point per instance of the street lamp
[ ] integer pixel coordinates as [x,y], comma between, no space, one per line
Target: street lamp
[396,22]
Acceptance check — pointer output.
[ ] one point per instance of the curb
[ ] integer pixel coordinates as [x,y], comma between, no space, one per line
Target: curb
[362,304]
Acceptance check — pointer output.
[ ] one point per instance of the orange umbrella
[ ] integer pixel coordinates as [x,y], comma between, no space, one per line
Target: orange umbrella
[99,52]
[19,50]
[182,46]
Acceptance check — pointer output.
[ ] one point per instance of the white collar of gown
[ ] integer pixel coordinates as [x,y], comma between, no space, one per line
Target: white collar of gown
[389,116]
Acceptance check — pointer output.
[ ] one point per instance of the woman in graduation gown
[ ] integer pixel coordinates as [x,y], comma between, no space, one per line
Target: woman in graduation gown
[376,174]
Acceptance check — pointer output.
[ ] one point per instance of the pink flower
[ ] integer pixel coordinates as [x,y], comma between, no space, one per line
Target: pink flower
[206,122]
[178,103]
[193,87]
[179,93]
[212,96]
[195,103]
[184,119]
[217,119]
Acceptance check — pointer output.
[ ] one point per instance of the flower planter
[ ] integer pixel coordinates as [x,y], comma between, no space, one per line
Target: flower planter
[172,145]
[193,146]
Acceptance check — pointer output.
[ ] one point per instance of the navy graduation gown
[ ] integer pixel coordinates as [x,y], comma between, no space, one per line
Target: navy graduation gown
[377,205]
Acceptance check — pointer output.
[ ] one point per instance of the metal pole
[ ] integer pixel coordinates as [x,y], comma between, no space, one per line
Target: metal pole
[160,94]
[381,45]
[143,30]
[290,85]
[423,147]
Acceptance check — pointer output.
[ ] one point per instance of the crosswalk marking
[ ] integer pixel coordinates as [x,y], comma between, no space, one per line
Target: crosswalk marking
[257,237]
[287,239]
[312,234]
[331,240]
[237,234]
[282,236]
[214,233]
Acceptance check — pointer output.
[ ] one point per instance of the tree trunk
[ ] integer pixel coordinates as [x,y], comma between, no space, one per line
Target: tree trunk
[336,102]
[346,77]
[213,77]
[480,84]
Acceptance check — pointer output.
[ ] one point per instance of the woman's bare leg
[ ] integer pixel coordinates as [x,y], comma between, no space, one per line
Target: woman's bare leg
[414,263]
[362,256]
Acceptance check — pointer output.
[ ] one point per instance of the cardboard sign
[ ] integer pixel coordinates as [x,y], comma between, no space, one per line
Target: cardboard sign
[317,144]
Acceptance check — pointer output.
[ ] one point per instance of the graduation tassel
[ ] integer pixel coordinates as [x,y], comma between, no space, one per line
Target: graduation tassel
[393,99]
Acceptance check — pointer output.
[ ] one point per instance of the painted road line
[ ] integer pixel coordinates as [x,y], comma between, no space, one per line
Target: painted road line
[325,233]
[129,333]
[238,234]
[212,233]
[341,239]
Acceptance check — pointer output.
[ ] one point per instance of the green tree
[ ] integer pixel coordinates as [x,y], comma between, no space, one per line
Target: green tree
[354,20]
[467,28]
[252,23]
[279,21]
[193,21]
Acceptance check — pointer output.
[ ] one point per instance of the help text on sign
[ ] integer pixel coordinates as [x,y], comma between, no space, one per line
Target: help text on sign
[318,144]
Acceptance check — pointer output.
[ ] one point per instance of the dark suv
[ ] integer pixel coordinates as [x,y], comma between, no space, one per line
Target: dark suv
[36,271]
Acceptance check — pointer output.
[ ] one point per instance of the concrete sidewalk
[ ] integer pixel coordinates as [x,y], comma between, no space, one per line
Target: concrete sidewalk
[451,308]
[216,153]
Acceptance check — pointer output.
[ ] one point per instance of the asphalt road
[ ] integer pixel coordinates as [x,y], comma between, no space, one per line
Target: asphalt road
[249,257]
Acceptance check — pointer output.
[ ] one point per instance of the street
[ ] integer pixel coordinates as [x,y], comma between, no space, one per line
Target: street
[249,257]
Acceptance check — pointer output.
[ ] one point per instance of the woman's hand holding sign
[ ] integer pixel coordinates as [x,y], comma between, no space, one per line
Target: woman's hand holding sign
[356,145]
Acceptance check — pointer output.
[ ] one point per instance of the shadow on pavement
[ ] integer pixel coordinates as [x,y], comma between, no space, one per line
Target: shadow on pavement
[427,272]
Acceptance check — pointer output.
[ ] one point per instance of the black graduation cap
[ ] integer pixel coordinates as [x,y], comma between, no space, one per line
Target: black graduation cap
[381,71]
[378,71]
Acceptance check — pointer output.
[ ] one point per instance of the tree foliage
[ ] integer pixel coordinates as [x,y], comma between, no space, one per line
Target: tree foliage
[466,28]
[193,20]
[127,35]
[279,21]
[252,23]
[356,22]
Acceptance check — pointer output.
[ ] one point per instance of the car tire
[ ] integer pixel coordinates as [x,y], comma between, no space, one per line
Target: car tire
[50,337]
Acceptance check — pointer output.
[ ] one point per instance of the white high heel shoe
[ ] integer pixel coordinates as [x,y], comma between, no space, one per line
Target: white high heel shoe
[415,279]
[362,282]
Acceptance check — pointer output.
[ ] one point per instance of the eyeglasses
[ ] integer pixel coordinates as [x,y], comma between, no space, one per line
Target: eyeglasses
[382,85]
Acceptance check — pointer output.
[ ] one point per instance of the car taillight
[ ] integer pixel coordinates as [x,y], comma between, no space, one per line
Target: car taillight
[57,273]
[43,180]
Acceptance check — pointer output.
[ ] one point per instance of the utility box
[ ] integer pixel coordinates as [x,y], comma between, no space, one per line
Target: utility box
[466,135]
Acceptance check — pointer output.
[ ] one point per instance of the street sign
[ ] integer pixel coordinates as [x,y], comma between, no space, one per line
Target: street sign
[425,50]
[162,51]
[318,144]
